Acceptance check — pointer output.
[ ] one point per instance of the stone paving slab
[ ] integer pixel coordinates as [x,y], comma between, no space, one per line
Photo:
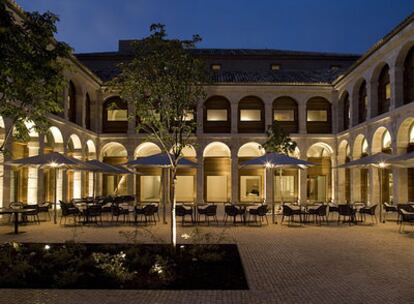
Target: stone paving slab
[297,264]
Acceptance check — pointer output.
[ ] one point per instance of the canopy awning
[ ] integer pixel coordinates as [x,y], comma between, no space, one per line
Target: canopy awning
[159,160]
[277,160]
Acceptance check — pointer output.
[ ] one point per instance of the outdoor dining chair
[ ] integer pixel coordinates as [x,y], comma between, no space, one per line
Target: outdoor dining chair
[68,211]
[93,213]
[347,212]
[45,208]
[118,211]
[183,211]
[390,209]
[259,214]
[233,211]
[208,211]
[290,213]
[369,211]
[32,214]
[406,217]
[319,213]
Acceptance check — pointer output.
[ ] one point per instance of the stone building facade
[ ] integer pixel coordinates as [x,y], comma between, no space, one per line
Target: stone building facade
[337,107]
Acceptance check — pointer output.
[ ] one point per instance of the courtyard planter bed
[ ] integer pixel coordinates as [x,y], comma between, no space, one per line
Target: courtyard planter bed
[120,266]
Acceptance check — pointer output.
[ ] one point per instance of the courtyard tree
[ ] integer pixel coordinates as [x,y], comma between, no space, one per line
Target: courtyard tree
[278,142]
[164,82]
[31,70]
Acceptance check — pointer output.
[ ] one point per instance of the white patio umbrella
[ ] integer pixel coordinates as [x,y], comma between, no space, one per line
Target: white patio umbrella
[54,161]
[160,160]
[378,160]
[275,160]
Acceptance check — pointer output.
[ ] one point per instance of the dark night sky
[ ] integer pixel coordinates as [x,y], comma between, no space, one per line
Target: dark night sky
[350,26]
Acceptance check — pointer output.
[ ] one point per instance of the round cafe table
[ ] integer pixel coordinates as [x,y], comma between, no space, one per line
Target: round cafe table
[16,213]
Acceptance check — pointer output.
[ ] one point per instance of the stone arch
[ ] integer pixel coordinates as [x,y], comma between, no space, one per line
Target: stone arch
[250,149]
[359,146]
[319,149]
[217,149]
[405,134]
[146,149]
[377,142]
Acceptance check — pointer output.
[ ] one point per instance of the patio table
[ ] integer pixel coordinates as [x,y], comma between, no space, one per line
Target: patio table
[16,213]
[245,206]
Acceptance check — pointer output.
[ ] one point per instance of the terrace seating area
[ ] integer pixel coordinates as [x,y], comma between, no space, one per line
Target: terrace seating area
[125,210]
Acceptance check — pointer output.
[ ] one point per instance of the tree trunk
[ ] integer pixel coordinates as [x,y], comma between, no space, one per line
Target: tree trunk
[173,173]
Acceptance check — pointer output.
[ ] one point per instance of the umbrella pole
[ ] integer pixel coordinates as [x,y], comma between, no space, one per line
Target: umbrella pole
[273,197]
[55,198]
[380,192]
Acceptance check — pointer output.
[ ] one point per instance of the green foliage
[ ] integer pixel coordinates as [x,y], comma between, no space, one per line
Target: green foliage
[164,82]
[113,265]
[278,141]
[31,69]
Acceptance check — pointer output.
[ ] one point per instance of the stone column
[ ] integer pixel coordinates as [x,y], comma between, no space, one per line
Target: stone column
[131,186]
[97,124]
[396,80]
[374,186]
[268,114]
[234,117]
[303,177]
[302,116]
[269,182]
[80,109]
[235,193]
[32,175]
[355,184]
[200,119]
[63,176]
[83,111]
[200,175]
[372,94]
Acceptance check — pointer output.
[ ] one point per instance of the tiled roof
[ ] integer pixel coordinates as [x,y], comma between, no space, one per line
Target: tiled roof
[315,76]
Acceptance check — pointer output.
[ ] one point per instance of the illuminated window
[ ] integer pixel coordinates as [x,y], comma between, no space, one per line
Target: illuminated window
[317,115]
[388,91]
[250,188]
[217,115]
[216,67]
[217,189]
[150,188]
[364,147]
[188,116]
[411,135]
[185,188]
[288,188]
[250,115]
[117,115]
[284,115]
[275,67]
[386,140]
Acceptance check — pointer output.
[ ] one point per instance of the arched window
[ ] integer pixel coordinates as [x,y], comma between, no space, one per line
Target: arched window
[285,111]
[384,91]
[72,102]
[409,77]
[346,111]
[364,148]
[318,115]
[115,116]
[386,142]
[411,135]
[251,115]
[87,112]
[217,116]
[362,102]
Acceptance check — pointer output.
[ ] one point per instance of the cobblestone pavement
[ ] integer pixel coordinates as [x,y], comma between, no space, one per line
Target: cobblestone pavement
[296,264]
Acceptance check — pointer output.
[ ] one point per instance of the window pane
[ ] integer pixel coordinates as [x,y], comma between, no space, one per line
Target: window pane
[317,115]
[217,189]
[288,188]
[411,134]
[117,115]
[386,140]
[250,188]
[150,188]
[388,91]
[217,115]
[250,115]
[185,188]
[189,116]
[284,115]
